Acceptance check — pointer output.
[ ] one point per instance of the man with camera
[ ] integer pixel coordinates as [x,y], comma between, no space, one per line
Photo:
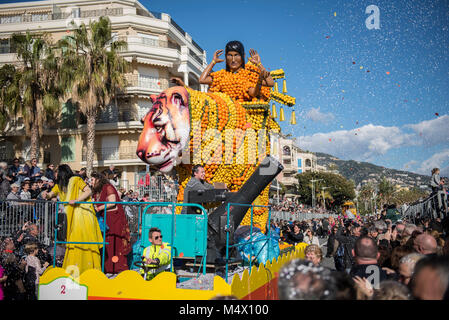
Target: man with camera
[197,182]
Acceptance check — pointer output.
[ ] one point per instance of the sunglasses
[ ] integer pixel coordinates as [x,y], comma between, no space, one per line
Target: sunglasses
[157,237]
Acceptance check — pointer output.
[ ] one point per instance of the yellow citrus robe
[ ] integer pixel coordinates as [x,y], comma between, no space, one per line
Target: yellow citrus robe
[82,226]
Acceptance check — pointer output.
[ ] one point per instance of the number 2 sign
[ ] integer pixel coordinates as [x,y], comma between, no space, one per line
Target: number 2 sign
[63,288]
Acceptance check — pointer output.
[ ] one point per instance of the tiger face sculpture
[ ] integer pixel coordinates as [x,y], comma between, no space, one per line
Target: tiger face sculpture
[166,129]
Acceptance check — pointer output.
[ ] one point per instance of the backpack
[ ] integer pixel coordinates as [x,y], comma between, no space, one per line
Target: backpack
[340,255]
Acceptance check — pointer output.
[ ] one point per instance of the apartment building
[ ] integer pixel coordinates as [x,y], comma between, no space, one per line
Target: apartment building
[294,159]
[158,49]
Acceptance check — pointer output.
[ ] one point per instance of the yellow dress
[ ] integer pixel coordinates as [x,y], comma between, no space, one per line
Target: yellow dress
[82,226]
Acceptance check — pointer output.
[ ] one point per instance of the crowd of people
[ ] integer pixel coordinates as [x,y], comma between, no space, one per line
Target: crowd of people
[345,259]
[370,258]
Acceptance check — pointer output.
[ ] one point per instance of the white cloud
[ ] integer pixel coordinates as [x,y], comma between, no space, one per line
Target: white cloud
[358,144]
[409,165]
[438,160]
[316,115]
[432,132]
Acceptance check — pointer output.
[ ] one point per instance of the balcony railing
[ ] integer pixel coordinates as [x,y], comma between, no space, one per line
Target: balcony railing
[147,42]
[148,82]
[77,13]
[112,153]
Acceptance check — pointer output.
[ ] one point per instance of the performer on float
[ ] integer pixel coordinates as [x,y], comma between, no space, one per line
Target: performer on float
[117,234]
[82,224]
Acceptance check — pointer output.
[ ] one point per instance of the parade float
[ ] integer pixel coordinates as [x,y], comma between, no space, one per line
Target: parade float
[230,137]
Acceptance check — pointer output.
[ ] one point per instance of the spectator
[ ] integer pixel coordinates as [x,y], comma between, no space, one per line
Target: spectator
[14,194]
[117,233]
[49,172]
[33,266]
[425,244]
[5,185]
[35,190]
[3,278]
[35,171]
[24,172]
[343,258]
[83,174]
[294,237]
[391,290]
[332,243]
[13,287]
[14,170]
[430,280]
[301,280]
[345,285]
[310,238]
[407,266]
[25,194]
[313,254]
[366,255]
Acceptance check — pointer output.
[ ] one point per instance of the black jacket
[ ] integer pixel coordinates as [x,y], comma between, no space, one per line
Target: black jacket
[368,270]
[295,238]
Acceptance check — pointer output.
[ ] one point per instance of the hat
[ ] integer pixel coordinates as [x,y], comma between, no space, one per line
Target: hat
[15,185]
[50,180]
[43,178]
[26,179]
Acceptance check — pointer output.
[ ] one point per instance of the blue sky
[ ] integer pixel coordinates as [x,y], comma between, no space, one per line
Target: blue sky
[377,95]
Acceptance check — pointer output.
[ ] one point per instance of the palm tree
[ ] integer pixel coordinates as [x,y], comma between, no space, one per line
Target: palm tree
[94,72]
[34,91]
[9,93]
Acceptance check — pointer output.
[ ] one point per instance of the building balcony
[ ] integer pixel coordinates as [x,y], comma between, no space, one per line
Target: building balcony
[112,153]
[146,85]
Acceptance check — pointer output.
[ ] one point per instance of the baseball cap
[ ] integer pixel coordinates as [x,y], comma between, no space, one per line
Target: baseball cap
[15,185]
[44,178]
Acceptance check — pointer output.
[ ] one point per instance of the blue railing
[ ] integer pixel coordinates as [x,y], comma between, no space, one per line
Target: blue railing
[147,205]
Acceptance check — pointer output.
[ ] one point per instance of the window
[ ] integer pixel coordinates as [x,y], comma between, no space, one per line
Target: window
[308,163]
[149,39]
[286,151]
[68,149]
[68,115]
[5,46]
[299,163]
[39,17]
[11,19]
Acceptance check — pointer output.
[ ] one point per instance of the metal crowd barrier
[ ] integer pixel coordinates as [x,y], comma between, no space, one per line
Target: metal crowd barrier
[300,216]
[432,207]
[14,214]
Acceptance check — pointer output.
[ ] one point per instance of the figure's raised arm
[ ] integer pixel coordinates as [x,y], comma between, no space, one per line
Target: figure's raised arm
[264,75]
[205,77]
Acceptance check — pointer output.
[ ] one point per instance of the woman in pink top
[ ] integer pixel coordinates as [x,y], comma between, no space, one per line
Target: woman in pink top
[2,279]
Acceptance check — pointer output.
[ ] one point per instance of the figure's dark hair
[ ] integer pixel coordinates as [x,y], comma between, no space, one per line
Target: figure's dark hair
[153,229]
[236,46]
[64,175]
[100,183]
[195,169]
[434,170]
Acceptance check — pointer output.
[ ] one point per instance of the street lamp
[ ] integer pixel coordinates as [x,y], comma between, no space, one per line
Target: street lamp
[322,192]
[313,191]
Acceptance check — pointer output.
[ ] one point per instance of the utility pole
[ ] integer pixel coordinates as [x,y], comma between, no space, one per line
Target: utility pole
[322,192]
[313,191]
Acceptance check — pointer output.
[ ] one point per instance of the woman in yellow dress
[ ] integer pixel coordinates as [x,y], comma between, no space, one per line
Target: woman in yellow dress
[82,224]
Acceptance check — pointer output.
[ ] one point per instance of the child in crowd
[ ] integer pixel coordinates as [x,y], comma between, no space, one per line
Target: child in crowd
[33,262]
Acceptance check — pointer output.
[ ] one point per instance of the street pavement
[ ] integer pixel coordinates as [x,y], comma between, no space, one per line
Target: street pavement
[326,262]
